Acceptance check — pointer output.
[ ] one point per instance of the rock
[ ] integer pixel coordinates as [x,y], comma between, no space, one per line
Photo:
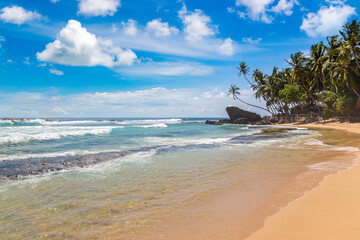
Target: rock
[214,122]
[237,113]
[225,120]
[241,121]
[274,131]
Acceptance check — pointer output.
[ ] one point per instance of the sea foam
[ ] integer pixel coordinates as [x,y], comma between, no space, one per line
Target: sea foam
[28,133]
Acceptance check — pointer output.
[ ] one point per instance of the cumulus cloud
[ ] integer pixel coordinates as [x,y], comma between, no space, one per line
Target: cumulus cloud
[160,28]
[17,15]
[285,7]
[56,72]
[328,20]
[197,25]
[130,27]
[263,10]
[54,1]
[75,46]
[98,7]
[194,39]
[227,48]
[256,9]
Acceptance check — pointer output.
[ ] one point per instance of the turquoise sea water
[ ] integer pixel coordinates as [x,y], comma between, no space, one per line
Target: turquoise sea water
[119,178]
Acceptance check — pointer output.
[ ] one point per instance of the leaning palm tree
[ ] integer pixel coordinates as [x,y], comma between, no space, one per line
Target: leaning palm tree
[244,71]
[234,92]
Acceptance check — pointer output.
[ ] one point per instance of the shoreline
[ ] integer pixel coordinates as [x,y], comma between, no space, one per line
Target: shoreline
[221,211]
[328,211]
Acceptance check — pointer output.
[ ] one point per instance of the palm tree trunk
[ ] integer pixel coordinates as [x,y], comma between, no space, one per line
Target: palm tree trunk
[252,105]
[358,101]
[252,85]
[355,56]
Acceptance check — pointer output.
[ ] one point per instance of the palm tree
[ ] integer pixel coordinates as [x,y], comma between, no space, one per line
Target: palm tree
[234,92]
[316,65]
[351,40]
[243,71]
[299,74]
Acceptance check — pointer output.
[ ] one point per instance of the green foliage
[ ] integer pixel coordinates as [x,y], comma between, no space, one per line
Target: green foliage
[328,113]
[343,105]
[292,93]
[329,76]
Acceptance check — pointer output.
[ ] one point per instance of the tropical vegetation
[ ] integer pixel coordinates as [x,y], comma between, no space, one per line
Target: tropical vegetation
[327,81]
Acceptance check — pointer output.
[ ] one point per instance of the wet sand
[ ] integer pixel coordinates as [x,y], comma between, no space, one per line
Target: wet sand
[329,211]
[236,212]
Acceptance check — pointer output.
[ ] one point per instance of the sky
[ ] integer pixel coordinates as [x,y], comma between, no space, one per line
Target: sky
[149,58]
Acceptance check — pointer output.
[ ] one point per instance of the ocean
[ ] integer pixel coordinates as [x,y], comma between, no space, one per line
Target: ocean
[153,178]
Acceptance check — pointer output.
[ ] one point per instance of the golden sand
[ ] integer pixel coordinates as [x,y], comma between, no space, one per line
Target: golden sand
[329,211]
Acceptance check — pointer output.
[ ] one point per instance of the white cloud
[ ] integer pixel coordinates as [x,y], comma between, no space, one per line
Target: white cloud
[328,20]
[42,65]
[251,40]
[153,102]
[17,15]
[214,94]
[190,43]
[257,9]
[197,25]
[27,61]
[98,7]
[56,72]
[75,46]
[261,10]
[227,48]
[10,61]
[59,111]
[239,13]
[169,69]
[230,9]
[285,7]
[54,1]
[160,28]
[130,27]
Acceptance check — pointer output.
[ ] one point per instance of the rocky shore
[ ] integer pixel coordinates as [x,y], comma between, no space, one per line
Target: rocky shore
[240,116]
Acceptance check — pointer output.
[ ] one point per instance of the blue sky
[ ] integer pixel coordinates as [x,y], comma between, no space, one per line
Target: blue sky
[148,58]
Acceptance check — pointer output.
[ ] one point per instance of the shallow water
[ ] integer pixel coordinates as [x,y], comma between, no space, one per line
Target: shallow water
[174,181]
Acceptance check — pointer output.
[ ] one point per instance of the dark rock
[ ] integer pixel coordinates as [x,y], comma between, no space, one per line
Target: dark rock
[225,120]
[214,122]
[241,121]
[237,113]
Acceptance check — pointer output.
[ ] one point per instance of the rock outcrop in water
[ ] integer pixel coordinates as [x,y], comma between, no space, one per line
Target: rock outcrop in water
[241,116]
[237,116]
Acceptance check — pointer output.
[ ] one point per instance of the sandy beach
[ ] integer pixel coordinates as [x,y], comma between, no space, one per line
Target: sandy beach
[329,211]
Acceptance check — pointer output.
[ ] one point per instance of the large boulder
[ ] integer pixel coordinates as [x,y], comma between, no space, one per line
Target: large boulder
[245,116]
